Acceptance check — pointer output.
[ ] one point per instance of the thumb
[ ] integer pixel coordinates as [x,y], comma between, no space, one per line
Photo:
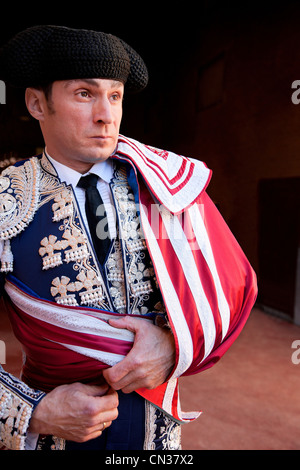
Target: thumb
[125,323]
[133,324]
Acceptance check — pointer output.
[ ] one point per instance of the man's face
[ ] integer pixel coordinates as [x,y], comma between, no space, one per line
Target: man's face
[81,122]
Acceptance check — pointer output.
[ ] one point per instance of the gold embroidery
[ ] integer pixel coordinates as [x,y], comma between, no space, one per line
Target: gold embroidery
[93,290]
[6,258]
[4,183]
[56,253]
[60,288]
[7,204]
[150,426]
[63,206]
[15,414]
[115,275]
[49,244]
[73,239]
[20,201]
[47,165]
[89,284]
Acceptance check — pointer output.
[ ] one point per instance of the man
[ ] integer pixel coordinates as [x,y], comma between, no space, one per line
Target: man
[108,319]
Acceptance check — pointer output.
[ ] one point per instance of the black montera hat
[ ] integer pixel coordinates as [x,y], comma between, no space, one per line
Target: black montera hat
[43,54]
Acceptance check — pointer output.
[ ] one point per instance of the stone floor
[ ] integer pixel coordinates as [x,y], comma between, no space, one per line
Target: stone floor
[250,399]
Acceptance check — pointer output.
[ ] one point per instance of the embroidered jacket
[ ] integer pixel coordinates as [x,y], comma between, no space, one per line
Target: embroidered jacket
[196,273]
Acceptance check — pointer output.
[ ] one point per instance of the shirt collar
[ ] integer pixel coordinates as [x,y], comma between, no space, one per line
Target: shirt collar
[102,169]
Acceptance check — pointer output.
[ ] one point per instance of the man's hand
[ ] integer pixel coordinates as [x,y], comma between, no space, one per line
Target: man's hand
[150,361]
[75,412]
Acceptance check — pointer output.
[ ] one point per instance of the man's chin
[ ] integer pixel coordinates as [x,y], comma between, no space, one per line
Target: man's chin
[102,152]
[98,156]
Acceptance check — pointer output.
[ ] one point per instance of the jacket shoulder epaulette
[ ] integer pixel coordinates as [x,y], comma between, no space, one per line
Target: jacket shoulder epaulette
[19,196]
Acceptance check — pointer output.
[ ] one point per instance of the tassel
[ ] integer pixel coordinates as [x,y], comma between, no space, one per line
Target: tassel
[6,258]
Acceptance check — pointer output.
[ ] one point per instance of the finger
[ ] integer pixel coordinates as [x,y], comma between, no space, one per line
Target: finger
[111,391]
[106,425]
[115,374]
[134,381]
[106,416]
[98,410]
[128,378]
[117,382]
[95,390]
[97,431]
[110,401]
[87,436]
[132,385]
[99,427]
[106,413]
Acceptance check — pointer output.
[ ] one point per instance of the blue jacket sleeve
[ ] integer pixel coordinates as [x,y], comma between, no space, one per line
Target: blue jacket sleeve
[17,402]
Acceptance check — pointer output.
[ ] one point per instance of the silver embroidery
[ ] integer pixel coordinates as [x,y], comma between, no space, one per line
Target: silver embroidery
[7,204]
[75,239]
[18,204]
[72,247]
[171,435]
[161,432]
[62,207]
[139,270]
[93,293]
[150,426]
[49,245]
[115,275]
[60,288]
[15,413]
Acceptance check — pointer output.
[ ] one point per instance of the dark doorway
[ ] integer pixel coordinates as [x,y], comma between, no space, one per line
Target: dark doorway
[279,230]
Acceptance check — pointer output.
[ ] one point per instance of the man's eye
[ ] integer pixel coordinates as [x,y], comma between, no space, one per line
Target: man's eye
[83,94]
[115,97]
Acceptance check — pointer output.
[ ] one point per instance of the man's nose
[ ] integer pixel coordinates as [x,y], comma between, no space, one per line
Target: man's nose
[102,111]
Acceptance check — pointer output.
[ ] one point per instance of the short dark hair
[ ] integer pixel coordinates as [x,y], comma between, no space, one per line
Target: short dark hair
[46,89]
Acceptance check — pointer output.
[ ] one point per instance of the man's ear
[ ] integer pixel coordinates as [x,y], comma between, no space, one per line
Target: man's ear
[36,103]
